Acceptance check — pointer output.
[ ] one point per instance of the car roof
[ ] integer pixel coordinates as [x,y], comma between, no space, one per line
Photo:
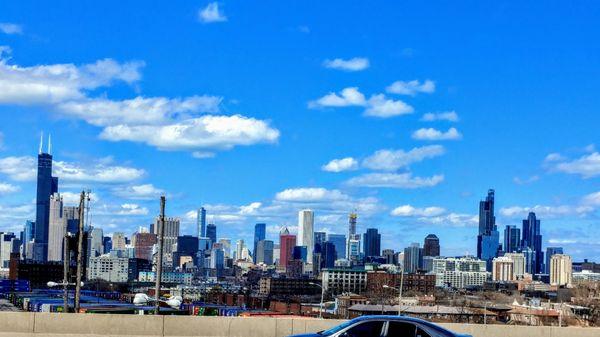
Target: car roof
[404,319]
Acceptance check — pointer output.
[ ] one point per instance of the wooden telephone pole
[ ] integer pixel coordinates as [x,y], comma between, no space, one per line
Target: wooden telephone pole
[79,252]
[161,237]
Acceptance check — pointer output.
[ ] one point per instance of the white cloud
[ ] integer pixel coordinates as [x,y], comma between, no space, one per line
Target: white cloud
[450,116]
[139,110]
[72,198]
[395,180]
[203,154]
[211,13]
[353,64]
[434,134]
[50,84]
[24,168]
[340,165]
[177,123]
[452,219]
[376,106]
[410,211]
[141,192]
[10,28]
[592,199]
[132,209]
[587,166]
[6,188]
[543,211]
[520,181]
[205,132]
[350,96]
[380,106]
[251,208]
[391,160]
[411,88]
[310,194]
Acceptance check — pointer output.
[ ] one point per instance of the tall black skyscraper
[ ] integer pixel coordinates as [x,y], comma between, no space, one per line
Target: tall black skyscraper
[512,239]
[211,233]
[488,239]
[431,246]
[372,242]
[532,239]
[46,186]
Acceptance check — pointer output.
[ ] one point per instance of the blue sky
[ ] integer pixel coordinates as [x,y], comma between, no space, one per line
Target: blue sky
[241,106]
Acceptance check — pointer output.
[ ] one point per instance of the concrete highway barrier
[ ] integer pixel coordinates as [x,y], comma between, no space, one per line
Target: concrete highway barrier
[27,324]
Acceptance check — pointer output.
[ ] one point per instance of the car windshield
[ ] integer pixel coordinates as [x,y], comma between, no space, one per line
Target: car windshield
[336,328]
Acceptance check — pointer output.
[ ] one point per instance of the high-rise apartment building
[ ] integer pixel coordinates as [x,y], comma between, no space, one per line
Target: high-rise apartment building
[413,258]
[260,232]
[170,233]
[561,270]
[47,185]
[519,265]
[143,243]
[488,238]
[119,241]
[431,245]
[306,223]
[549,252]
[503,269]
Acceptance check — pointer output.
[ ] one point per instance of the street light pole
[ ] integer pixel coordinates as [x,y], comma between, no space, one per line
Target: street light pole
[322,295]
[400,292]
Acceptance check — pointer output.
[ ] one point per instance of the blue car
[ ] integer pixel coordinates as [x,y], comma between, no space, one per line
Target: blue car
[385,326]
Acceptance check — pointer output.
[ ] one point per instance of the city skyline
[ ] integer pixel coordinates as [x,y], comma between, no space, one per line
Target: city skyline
[378,125]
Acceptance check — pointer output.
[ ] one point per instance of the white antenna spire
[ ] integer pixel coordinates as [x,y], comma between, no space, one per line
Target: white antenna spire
[49,144]
[41,141]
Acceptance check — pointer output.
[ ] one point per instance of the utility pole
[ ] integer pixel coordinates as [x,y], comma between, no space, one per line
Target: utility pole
[66,262]
[161,237]
[79,252]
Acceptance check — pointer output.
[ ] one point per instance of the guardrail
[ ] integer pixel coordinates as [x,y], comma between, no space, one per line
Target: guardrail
[29,324]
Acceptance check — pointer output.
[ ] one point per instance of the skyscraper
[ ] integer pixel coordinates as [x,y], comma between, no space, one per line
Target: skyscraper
[488,238]
[306,223]
[201,222]
[264,252]
[226,243]
[413,258]
[431,245]
[56,228]
[372,243]
[532,239]
[352,219]
[170,232]
[287,242]
[549,252]
[561,270]
[260,231]
[28,234]
[211,233]
[512,239]
[118,241]
[320,237]
[142,243]
[46,186]
[339,241]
